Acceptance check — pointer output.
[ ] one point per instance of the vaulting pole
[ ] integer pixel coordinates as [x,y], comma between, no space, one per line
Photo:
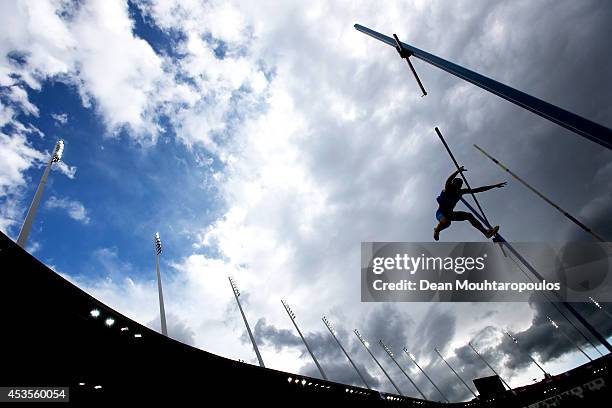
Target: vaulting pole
[531,269]
[452,156]
[543,197]
[577,124]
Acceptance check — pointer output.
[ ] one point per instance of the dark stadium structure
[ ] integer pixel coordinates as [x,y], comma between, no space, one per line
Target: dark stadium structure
[55,334]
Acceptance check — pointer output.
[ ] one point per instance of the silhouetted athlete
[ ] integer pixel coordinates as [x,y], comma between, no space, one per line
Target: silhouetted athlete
[448,199]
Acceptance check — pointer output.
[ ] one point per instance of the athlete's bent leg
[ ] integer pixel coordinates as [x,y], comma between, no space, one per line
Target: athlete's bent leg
[466,216]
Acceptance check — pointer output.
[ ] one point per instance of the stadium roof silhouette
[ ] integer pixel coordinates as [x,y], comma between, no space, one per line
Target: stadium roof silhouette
[55,334]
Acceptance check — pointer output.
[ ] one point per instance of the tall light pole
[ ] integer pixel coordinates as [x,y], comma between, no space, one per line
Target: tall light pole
[292,317]
[333,332]
[27,224]
[597,305]
[162,311]
[409,354]
[556,326]
[489,365]
[515,341]
[390,354]
[365,344]
[454,372]
[246,323]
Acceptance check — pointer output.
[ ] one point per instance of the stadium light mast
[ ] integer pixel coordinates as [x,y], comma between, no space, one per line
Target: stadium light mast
[162,311]
[366,344]
[390,354]
[409,354]
[22,239]
[515,341]
[556,326]
[333,332]
[600,307]
[292,317]
[489,365]
[454,372]
[246,323]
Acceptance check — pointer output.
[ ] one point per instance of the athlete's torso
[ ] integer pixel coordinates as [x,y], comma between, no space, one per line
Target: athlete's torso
[447,200]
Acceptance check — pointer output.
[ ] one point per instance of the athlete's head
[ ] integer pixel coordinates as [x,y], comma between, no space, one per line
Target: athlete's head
[457,183]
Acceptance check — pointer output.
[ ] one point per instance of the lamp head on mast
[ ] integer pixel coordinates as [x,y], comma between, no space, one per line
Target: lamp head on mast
[384,346]
[58,151]
[157,243]
[234,287]
[329,326]
[288,309]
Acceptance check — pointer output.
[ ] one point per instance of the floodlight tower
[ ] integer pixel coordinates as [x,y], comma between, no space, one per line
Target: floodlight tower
[29,220]
[489,365]
[162,312]
[333,332]
[390,354]
[515,341]
[246,323]
[597,305]
[556,326]
[292,317]
[365,344]
[409,354]
[454,372]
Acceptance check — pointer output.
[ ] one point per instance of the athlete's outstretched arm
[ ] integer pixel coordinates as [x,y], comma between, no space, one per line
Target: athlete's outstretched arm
[483,188]
[450,178]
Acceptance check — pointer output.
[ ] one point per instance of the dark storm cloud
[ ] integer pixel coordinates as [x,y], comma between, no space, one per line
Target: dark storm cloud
[268,334]
[545,343]
[327,352]
[438,329]
[389,166]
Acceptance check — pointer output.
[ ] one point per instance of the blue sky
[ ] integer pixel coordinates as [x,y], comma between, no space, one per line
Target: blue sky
[266,141]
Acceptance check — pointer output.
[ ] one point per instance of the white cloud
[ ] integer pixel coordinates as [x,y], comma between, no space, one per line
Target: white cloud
[60,118]
[75,209]
[17,156]
[66,170]
[91,45]
[336,148]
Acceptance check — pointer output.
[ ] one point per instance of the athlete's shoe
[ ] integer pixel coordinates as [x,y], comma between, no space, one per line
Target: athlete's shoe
[436,234]
[492,231]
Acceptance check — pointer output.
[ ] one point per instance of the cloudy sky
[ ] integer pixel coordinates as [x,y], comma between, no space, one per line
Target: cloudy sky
[265,140]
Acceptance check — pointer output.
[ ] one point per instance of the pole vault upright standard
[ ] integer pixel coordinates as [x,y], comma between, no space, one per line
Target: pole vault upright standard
[577,124]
